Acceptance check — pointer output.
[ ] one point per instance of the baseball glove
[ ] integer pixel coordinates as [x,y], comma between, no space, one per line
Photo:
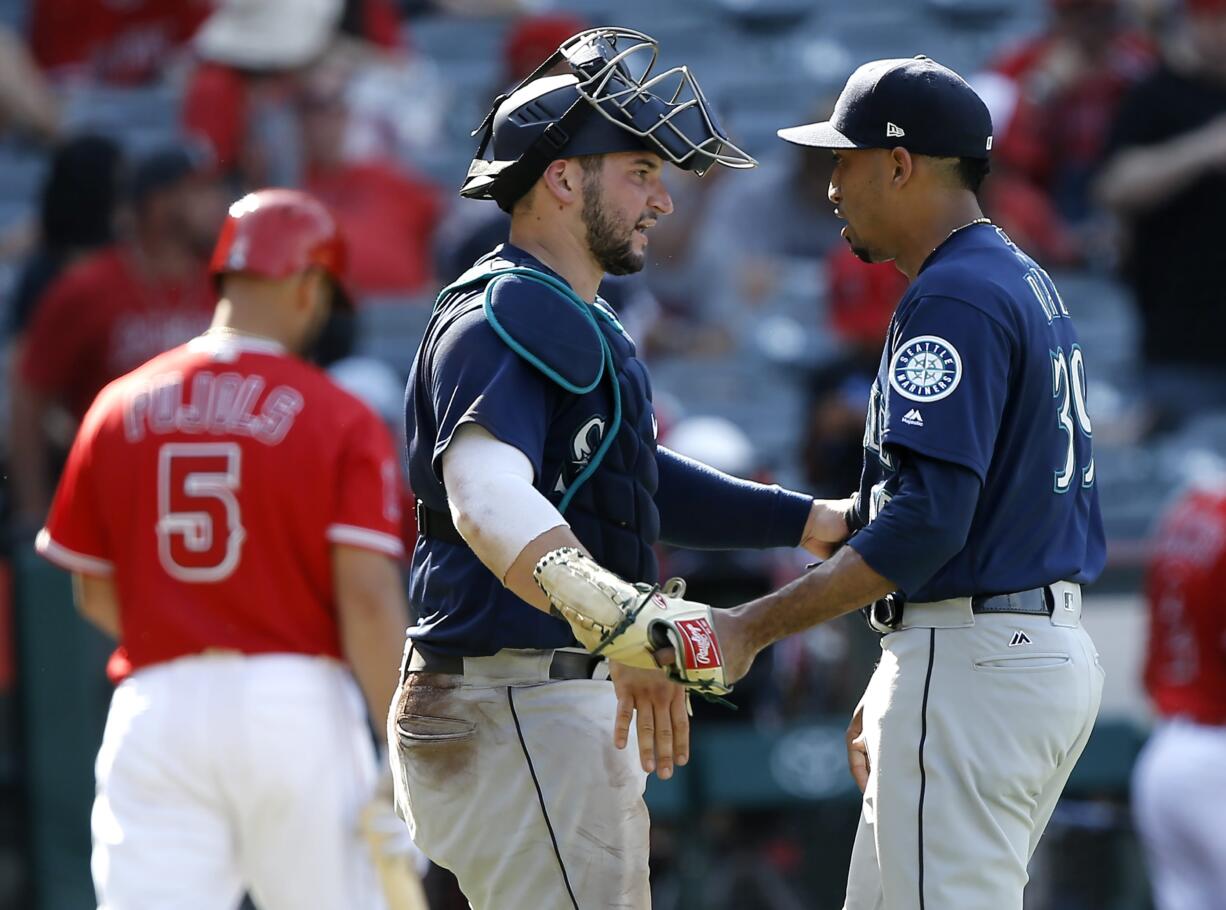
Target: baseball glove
[629,622]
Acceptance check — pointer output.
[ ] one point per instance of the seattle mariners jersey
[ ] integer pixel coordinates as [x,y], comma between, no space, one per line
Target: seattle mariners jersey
[466,372]
[211,484]
[982,369]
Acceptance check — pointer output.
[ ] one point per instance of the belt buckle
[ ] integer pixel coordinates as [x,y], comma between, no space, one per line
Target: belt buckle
[885,614]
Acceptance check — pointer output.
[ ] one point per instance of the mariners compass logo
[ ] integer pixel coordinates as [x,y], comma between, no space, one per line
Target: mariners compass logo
[926,368]
[583,445]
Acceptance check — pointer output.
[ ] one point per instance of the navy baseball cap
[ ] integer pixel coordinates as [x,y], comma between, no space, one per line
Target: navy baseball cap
[910,102]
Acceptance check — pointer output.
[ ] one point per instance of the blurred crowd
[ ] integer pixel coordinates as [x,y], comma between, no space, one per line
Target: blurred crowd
[1109,160]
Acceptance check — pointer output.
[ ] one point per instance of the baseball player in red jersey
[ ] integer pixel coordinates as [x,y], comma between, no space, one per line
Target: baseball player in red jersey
[232,517]
[1180,778]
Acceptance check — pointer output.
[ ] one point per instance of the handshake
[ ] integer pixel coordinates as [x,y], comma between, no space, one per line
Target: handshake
[633,623]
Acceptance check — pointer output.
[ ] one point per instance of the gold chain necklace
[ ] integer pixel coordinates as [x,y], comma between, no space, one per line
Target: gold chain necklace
[983,220]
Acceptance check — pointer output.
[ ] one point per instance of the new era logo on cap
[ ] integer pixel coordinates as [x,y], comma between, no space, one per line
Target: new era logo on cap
[893,130]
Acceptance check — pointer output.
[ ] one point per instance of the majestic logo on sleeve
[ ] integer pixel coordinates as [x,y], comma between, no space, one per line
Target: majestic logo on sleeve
[926,368]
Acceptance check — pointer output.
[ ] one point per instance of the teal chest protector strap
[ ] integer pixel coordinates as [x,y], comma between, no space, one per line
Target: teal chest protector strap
[590,313]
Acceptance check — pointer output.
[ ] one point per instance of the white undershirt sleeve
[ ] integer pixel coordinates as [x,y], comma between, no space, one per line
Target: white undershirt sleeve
[493,503]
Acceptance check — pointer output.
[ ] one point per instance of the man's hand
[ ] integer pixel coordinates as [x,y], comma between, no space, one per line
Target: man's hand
[628,622]
[660,708]
[737,651]
[857,749]
[826,527]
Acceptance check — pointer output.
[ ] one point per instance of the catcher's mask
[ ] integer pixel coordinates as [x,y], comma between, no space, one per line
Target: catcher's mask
[604,100]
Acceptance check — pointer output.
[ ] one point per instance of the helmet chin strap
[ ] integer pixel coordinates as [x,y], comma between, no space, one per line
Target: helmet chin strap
[547,147]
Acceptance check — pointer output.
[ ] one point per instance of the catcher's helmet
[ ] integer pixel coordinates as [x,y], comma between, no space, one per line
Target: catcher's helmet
[277,233]
[605,101]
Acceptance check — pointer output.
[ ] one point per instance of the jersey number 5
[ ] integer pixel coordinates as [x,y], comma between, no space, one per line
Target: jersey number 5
[200,529]
[1069,390]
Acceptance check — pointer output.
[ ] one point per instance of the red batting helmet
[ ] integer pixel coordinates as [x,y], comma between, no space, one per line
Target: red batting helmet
[278,233]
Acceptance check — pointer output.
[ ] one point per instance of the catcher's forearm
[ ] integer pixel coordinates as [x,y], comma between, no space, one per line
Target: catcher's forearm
[843,583]
[519,580]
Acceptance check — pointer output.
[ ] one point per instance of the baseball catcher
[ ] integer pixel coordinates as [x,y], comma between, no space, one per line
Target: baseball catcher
[541,488]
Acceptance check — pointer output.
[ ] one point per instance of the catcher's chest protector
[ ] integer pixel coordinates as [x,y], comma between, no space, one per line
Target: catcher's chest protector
[600,467]
[614,514]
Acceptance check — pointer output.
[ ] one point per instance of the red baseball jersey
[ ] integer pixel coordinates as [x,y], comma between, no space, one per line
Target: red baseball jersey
[1185,667]
[101,319]
[211,484]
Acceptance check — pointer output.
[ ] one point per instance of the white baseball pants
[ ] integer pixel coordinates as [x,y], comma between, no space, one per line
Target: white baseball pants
[224,773]
[512,782]
[1178,794]
[973,724]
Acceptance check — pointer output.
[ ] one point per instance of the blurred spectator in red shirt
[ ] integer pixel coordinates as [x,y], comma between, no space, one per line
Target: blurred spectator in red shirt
[254,54]
[1065,86]
[125,42]
[388,213]
[115,309]
[532,39]
[241,95]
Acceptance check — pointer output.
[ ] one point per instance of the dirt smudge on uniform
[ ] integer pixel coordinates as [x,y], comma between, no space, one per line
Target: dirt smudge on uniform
[615,767]
[612,849]
[437,739]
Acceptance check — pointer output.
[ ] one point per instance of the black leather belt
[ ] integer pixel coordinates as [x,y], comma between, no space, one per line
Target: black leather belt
[565,664]
[1037,601]
[437,525]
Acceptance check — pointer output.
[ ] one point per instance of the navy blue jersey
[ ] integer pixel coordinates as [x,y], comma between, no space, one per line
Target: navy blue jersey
[465,372]
[982,369]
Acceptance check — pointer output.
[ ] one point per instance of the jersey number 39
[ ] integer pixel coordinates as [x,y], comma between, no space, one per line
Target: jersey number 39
[200,529]
[1069,390]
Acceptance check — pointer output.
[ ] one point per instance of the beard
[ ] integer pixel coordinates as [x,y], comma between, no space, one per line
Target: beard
[610,243]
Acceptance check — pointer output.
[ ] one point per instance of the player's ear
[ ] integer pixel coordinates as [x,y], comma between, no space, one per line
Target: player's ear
[903,165]
[562,180]
[308,288]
